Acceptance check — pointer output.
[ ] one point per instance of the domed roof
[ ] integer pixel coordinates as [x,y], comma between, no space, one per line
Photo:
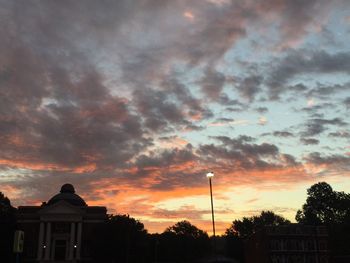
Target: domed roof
[67,188]
[68,194]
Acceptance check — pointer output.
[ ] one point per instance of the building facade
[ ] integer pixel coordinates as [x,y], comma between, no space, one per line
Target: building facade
[288,244]
[60,230]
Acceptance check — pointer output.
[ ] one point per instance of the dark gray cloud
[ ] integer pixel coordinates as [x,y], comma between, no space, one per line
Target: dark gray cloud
[347,102]
[166,158]
[172,107]
[212,83]
[234,105]
[170,169]
[180,167]
[309,141]
[262,109]
[324,91]
[240,152]
[289,160]
[86,86]
[302,62]
[319,107]
[335,160]
[157,110]
[250,86]
[174,88]
[225,119]
[222,122]
[298,88]
[297,16]
[234,109]
[339,134]
[282,134]
[316,126]
[53,117]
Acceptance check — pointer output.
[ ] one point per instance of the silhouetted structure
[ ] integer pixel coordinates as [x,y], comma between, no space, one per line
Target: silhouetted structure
[122,239]
[61,229]
[292,243]
[183,242]
[339,240]
[7,229]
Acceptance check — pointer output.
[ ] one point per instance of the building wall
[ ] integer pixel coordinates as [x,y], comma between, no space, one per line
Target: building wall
[256,248]
[58,228]
[31,233]
[288,244]
[88,236]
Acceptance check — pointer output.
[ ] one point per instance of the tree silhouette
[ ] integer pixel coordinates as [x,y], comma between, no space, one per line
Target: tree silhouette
[183,242]
[185,228]
[328,207]
[121,239]
[249,225]
[324,206]
[7,228]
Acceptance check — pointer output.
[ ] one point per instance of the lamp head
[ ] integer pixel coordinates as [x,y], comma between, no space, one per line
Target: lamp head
[210,174]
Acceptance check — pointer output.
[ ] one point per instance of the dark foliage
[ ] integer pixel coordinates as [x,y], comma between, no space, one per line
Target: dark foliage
[249,225]
[182,242]
[339,239]
[324,206]
[235,247]
[121,239]
[7,228]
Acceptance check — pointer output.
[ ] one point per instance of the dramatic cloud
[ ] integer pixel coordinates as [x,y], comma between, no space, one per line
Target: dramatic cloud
[335,161]
[135,101]
[317,126]
[212,83]
[241,154]
[250,86]
[301,62]
[323,91]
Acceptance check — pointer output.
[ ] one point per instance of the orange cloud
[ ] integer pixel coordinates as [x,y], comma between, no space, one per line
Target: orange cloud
[142,201]
[172,142]
[189,15]
[30,165]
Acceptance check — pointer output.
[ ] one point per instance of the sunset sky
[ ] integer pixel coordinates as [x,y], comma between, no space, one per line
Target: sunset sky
[134,101]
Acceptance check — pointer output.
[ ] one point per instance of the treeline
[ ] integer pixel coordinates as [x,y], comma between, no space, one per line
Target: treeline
[125,239]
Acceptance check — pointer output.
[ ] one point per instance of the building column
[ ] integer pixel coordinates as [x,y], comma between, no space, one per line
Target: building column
[48,241]
[79,240]
[40,241]
[72,240]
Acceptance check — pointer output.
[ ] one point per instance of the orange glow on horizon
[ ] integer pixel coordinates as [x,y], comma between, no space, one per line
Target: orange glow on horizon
[144,197]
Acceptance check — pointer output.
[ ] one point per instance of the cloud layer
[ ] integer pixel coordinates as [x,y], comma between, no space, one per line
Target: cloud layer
[142,98]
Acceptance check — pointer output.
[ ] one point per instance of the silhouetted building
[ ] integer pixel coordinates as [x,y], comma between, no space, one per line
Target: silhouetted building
[60,230]
[288,244]
[339,242]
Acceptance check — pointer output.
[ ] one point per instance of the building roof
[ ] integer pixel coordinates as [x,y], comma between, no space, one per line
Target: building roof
[67,194]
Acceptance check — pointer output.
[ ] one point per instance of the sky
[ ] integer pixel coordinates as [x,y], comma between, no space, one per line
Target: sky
[133,102]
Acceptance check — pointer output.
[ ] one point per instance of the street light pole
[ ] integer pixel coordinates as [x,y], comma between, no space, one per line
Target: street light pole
[210,175]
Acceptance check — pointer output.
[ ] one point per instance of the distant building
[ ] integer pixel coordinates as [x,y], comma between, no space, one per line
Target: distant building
[60,230]
[288,244]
